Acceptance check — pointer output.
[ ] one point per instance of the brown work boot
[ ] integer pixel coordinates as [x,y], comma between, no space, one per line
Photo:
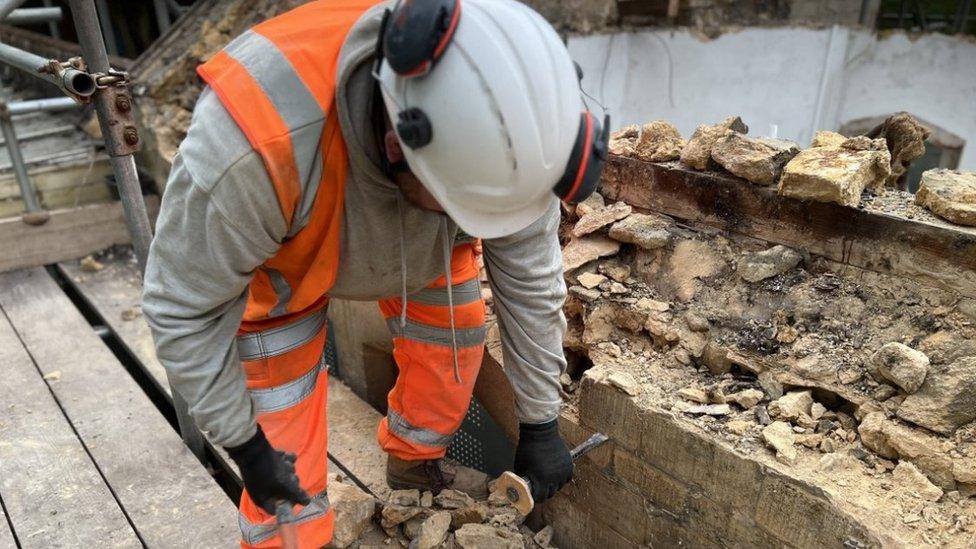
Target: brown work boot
[435,475]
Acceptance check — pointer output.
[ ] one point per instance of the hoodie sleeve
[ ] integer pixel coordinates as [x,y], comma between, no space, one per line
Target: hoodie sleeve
[526,276]
[219,221]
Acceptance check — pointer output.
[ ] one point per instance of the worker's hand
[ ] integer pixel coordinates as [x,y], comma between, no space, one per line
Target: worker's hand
[543,458]
[268,475]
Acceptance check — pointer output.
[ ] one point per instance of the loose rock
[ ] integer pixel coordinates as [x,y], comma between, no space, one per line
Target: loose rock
[779,436]
[581,251]
[590,280]
[710,410]
[834,174]
[623,142]
[901,365]
[90,265]
[947,399]
[777,260]
[616,270]
[592,202]
[482,536]
[905,139]
[405,498]
[909,478]
[748,398]
[353,509]
[793,405]
[693,394]
[950,195]
[453,499]
[659,141]
[645,230]
[698,152]
[433,531]
[756,159]
[716,358]
[600,217]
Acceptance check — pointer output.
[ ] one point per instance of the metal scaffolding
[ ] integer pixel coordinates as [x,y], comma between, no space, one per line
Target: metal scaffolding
[91,80]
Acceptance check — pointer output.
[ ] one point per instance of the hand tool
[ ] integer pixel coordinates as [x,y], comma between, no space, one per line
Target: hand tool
[287,527]
[518,490]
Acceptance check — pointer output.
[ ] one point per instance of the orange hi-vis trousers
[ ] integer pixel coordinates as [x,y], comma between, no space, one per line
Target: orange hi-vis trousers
[287,381]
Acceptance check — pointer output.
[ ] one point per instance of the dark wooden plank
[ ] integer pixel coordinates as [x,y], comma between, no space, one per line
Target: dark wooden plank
[67,235]
[52,491]
[927,249]
[168,495]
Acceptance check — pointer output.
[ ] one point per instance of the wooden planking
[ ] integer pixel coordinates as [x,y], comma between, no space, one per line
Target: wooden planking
[118,287]
[932,251]
[53,493]
[168,495]
[67,235]
[352,438]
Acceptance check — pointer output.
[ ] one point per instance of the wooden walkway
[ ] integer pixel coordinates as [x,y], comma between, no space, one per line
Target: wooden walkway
[86,457]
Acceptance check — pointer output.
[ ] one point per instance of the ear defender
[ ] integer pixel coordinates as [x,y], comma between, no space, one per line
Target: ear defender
[582,176]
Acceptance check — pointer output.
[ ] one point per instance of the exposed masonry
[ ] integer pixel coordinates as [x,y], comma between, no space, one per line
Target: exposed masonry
[760,394]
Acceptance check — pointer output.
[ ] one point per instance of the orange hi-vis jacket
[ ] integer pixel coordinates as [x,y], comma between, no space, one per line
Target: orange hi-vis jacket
[278,82]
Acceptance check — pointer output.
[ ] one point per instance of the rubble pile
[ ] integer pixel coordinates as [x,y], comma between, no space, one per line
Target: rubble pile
[848,378]
[851,171]
[455,519]
[423,520]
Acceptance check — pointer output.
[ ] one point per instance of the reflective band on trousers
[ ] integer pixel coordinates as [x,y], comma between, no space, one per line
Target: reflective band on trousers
[402,428]
[468,292]
[285,396]
[254,534]
[424,333]
[280,340]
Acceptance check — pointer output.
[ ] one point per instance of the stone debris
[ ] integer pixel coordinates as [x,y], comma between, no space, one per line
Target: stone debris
[694,394]
[623,142]
[353,509]
[483,536]
[600,217]
[581,251]
[698,152]
[904,138]
[590,280]
[836,173]
[616,270]
[828,139]
[748,398]
[780,437]
[433,531]
[625,382]
[947,399]
[645,230]
[777,260]
[910,479]
[792,405]
[950,195]
[901,365]
[710,410]
[89,264]
[593,202]
[405,498]
[759,160]
[659,141]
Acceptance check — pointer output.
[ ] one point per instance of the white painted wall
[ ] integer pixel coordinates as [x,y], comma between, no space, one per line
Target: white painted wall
[799,79]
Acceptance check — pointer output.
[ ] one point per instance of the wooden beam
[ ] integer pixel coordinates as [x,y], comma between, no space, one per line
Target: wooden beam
[69,234]
[927,249]
[170,498]
[53,494]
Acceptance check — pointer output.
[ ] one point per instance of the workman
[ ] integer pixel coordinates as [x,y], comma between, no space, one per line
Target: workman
[356,149]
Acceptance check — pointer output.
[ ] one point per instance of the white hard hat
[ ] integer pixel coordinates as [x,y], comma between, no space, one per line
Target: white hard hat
[500,123]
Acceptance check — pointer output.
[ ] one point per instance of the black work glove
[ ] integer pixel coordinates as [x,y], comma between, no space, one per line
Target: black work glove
[268,475]
[543,458]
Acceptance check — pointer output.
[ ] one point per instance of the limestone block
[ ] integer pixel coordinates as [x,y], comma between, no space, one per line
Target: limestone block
[353,512]
[777,260]
[901,365]
[756,159]
[834,174]
[910,479]
[779,436]
[480,536]
[433,531]
[623,142]
[581,251]
[947,399]
[698,152]
[645,230]
[659,141]
[950,195]
[600,217]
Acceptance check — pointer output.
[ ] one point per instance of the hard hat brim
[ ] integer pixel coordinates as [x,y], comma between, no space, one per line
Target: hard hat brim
[496,225]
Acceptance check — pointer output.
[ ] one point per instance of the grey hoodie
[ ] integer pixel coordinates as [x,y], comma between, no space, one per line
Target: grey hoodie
[220,220]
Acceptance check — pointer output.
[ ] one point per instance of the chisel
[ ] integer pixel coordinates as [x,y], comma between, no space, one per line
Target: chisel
[518,490]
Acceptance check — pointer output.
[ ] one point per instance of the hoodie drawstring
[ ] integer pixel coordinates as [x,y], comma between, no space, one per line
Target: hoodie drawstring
[448,252]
